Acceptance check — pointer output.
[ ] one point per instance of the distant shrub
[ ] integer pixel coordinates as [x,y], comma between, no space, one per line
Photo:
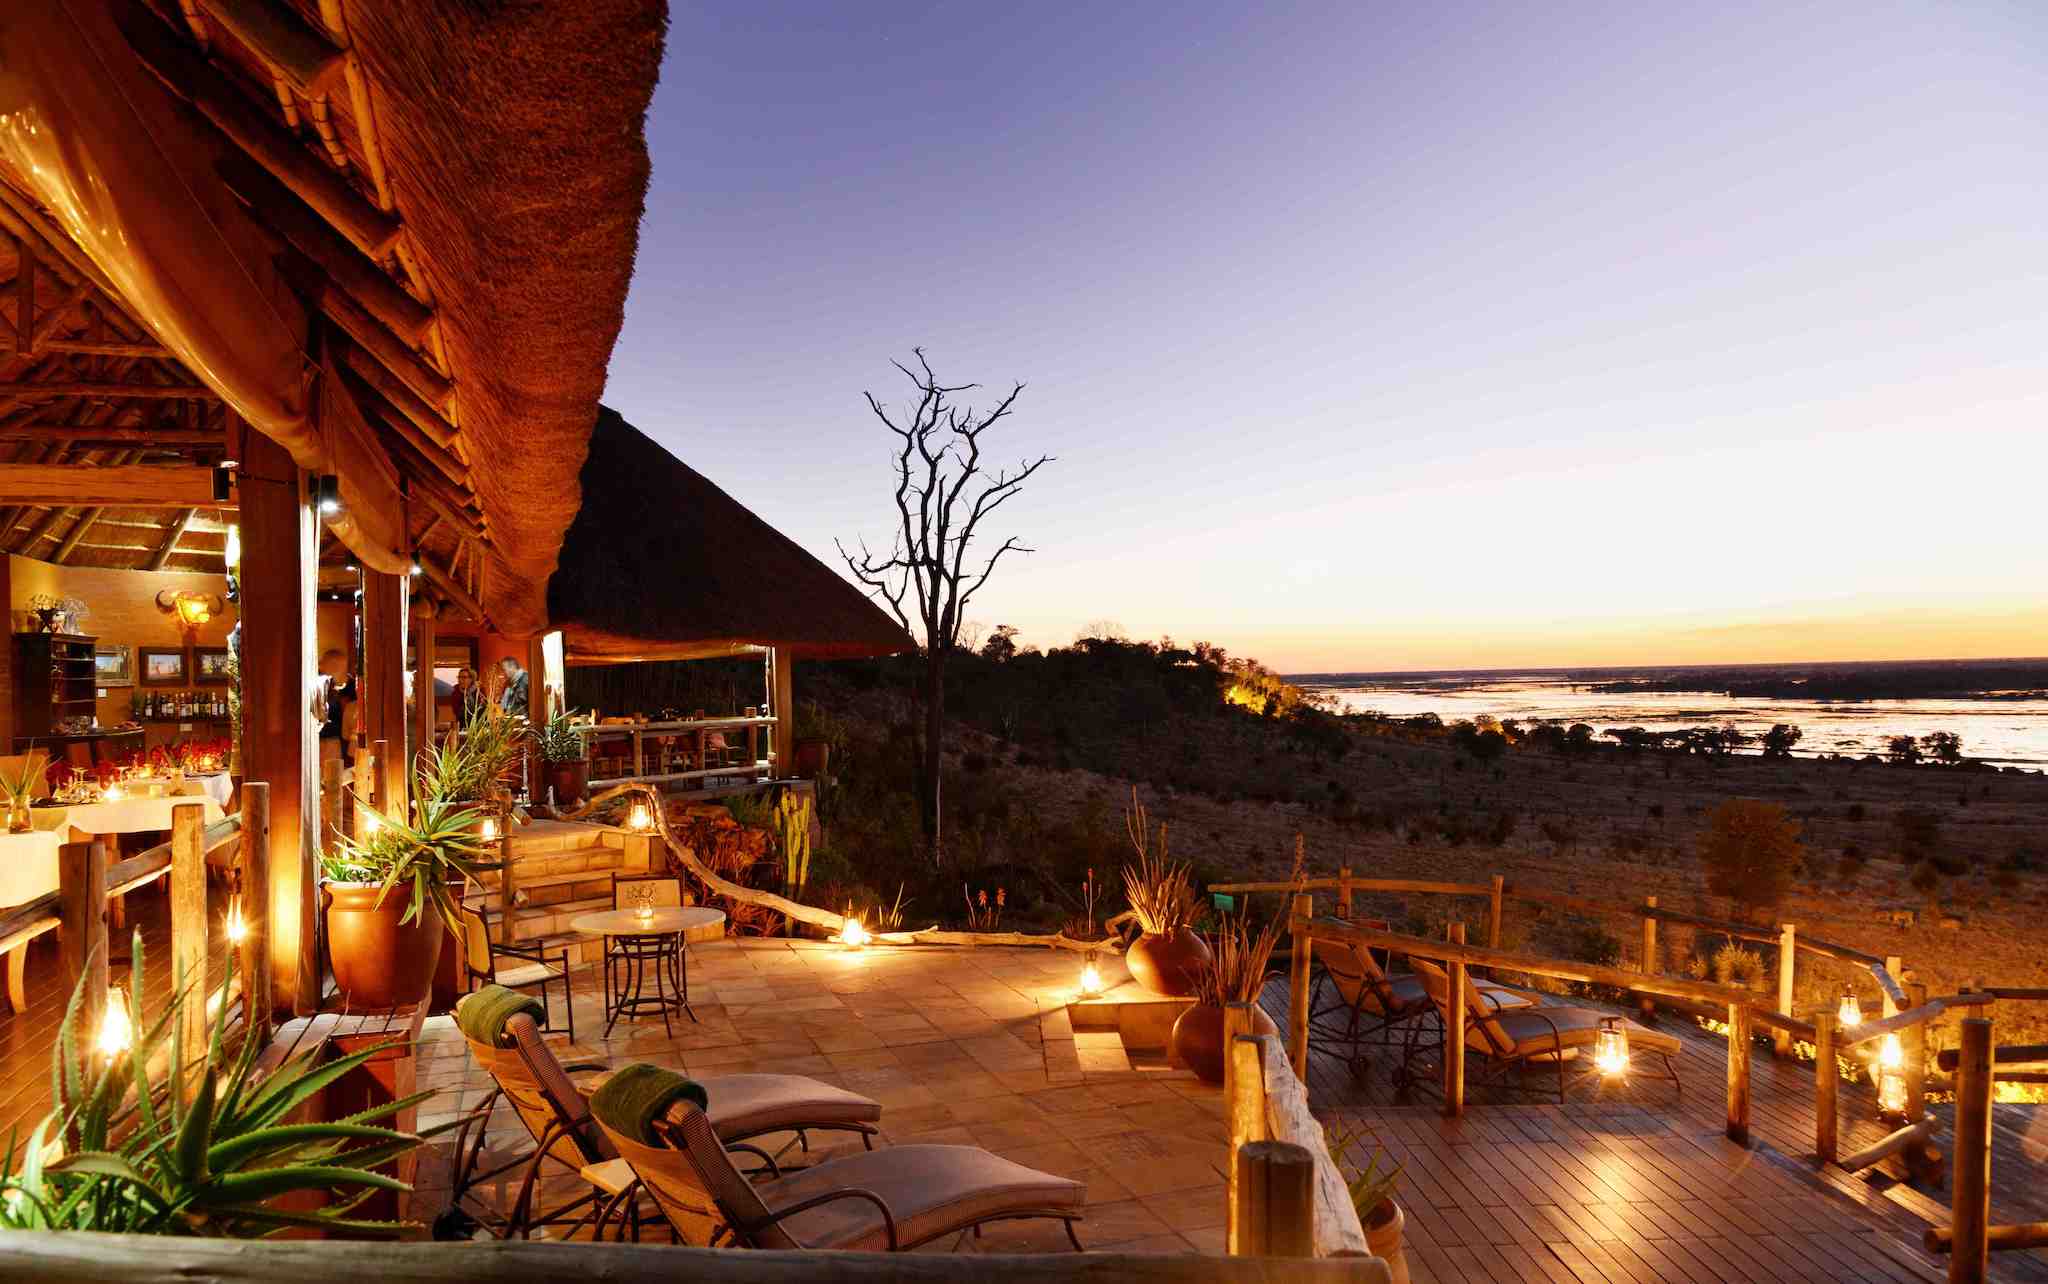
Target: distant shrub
[1749,850]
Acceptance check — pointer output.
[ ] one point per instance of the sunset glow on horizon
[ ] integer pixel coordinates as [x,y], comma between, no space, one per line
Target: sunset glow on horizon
[1388,337]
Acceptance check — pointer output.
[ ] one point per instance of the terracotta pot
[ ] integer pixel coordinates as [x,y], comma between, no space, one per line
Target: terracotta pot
[1167,964]
[1198,1039]
[1383,1239]
[569,780]
[812,757]
[379,962]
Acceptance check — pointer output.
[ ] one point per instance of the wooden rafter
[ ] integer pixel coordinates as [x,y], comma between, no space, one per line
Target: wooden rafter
[123,486]
[110,391]
[109,434]
[172,534]
[303,56]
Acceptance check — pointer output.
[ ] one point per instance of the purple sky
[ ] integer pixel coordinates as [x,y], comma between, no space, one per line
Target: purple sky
[1377,336]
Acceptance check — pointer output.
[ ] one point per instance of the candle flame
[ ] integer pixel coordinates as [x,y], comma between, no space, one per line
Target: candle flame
[1091,980]
[115,1030]
[237,928]
[853,934]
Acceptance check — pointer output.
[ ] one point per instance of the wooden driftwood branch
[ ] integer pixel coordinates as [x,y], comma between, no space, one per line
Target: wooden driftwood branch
[1909,1136]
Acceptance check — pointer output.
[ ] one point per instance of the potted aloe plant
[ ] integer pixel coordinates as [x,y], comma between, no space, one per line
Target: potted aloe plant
[565,760]
[1235,974]
[1372,1195]
[123,1152]
[393,894]
[1168,956]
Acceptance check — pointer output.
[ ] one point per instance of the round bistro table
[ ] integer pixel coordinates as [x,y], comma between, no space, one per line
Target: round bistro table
[642,949]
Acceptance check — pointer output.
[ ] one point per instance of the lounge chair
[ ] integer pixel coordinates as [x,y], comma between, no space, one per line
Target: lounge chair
[556,1114]
[889,1200]
[1354,1003]
[1510,1041]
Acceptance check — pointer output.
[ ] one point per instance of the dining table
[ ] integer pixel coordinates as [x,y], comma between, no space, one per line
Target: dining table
[644,947]
[28,865]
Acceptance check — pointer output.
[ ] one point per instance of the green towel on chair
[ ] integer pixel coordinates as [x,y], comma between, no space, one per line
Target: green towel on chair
[630,1101]
[482,1016]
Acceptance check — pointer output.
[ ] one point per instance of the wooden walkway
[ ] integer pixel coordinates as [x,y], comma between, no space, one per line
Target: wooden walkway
[1637,1183]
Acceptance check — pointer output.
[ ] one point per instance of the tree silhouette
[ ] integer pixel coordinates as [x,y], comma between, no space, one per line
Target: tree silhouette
[1749,850]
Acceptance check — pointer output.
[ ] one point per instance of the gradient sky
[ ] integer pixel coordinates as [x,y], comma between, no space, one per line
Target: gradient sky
[1375,336]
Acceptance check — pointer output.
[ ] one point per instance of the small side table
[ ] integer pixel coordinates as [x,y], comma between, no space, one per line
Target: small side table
[647,949]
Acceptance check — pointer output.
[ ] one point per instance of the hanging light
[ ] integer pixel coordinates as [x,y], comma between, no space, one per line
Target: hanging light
[853,935]
[116,1032]
[1091,980]
[237,929]
[416,568]
[1610,1047]
[1850,1013]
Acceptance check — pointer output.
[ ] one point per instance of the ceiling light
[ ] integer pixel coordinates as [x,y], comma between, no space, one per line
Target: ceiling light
[327,493]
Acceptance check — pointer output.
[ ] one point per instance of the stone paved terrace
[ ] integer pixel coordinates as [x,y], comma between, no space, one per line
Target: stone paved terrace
[966,1046]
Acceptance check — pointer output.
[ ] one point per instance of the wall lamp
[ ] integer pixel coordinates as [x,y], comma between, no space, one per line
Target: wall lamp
[327,494]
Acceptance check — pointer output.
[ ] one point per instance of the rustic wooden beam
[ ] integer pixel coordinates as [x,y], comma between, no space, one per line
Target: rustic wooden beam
[428,457]
[107,391]
[1826,1087]
[43,339]
[189,75]
[382,699]
[346,266]
[1970,1184]
[24,298]
[172,535]
[1276,1194]
[82,898]
[1301,940]
[458,596]
[2011,1054]
[299,53]
[76,535]
[188,938]
[1738,1073]
[96,348]
[1905,1138]
[253,879]
[1454,1032]
[422,685]
[1999,1239]
[122,486]
[103,435]
[367,333]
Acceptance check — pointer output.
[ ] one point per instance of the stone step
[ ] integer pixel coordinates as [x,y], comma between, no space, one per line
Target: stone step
[531,922]
[533,867]
[538,836]
[543,890]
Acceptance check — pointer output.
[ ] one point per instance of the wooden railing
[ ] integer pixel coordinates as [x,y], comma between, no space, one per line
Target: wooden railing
[1970,1238]
[699,729]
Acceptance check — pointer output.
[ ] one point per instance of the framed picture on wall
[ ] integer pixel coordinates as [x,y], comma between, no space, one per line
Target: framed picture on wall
[162,666]
[113,665]
[210,666]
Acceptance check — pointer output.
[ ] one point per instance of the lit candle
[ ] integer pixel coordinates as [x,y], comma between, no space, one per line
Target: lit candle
[115,1030]
[853,935]
[114,793]
[1890,1054]
[1091,980]
[641,817]
[237,929]
[490,829]
[1851,1011]
[1610,1047]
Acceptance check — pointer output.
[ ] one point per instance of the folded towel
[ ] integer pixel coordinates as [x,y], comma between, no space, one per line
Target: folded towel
[631,1100]
[482,1016]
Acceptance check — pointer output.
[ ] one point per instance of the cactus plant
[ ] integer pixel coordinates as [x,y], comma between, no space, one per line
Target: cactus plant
[791,817]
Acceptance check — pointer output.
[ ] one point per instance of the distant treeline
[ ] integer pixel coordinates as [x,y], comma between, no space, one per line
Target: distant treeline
[1957,680]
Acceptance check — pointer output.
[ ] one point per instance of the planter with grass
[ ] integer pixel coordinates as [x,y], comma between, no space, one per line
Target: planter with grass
[1168,956]
[391,898]
[1235,975]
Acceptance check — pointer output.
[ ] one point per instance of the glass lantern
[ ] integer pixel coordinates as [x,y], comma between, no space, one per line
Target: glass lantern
[1091,980]
[1610,1047]
[1850,1013]
[1891,1092]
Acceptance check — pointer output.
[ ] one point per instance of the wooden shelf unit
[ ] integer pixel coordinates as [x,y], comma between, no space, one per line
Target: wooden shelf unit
[54,679]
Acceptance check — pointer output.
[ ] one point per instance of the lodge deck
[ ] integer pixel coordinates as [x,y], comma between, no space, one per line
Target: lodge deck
[1633,1182]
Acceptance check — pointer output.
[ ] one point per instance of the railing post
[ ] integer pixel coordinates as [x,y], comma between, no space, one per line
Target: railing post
[1788,949]
[1913,1042]
[330,803]
[1893,966]
[188,939]
[1454,1032]
[1738,1072]
[390,781]
[82,940]
[1344,893]
[1970,1213]
[1297,985]
[1244,1095]
[1826,1087]
[1276,1200]
[365,790]
[1493,913]
[1651,963]
[254,881]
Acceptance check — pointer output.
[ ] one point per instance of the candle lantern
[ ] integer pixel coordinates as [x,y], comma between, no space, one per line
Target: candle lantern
[237,928]
[1091,980]
[853,935]
[641,817]
[1610,1047]
[1850,1013]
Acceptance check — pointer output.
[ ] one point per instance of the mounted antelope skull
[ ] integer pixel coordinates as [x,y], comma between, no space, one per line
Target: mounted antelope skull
[192,607]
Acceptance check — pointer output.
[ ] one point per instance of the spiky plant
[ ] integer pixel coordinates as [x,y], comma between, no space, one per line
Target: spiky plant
[1371,1186]
[1237,968]
[1161,894]
[470,766]
[440,846]
[558,740]
[121,1152]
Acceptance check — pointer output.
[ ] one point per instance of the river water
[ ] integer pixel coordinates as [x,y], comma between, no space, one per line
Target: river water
[2005,732]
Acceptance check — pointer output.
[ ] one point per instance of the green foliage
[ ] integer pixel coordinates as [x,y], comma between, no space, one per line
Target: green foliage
[1750,850]
[1371,1184]
[130,1157]
[558,741]
[791,818]
[470,766]
[750,811]
[440,846]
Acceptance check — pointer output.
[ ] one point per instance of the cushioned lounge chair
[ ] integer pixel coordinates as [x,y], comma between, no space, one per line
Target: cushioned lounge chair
[1510,1041]
[888,1200]
[556,1114]
[1354,1003]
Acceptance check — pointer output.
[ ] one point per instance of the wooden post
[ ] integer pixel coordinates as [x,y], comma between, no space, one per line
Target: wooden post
[279,745]
[1652,964]
[1493,913]
[365,790]
[1913,1043]
[1970,1216]
[782,704]
[254,880]
[383,697]
[1895,966]
[1344,893]
[1276,1200]
[1454,1032]
[1297,985]
[1788,947]
[330,803]
[422,689]
[1244,1096]
[1738,1073]
[1826,1087]
[82,940]
[188,937]
[508,888]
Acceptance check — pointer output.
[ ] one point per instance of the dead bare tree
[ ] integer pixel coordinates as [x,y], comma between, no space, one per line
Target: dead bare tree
[942,494]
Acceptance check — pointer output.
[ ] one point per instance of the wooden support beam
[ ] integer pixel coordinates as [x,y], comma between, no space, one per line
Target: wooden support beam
[1302,944]
[191,77]
[279,572]
[422,688]
[302,55]
[2010,1055]
[1345,903]
[106,390]
[1276,1194]
[76,535]
[460,596]
[346,267]
[188,939]
[363,790]
[1999,1239]
[1970,1199]
[1493,913]
[24,299]
[382,698]
[1888,983]
[172,534]
[1738,1073]
[369,335]
[252,880]
[82,940]
[1652,963]
[112,434]
[782,701]
[1454,1031]
[1244,1097]
[432,427]
[125,486]
[1913,1043]
[1788,961]
[105,348]
[54,317]
[1826,1087]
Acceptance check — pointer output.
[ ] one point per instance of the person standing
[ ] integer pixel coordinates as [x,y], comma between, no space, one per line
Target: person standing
[469,696]
[513,700]
[337,695]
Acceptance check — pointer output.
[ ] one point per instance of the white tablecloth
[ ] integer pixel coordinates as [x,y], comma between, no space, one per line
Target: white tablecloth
[28,865]
[137,815]
[216,786]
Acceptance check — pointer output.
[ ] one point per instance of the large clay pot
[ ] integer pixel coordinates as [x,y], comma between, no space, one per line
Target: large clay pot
[378,961]
[1167,965]
[569,780]
[1198,1039]
[1383,1239]
[812,757]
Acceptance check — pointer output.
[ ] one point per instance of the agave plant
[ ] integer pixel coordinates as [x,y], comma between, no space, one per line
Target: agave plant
[438,848]
[470,766]
[558,741]
[1371,1186]
[121,1152]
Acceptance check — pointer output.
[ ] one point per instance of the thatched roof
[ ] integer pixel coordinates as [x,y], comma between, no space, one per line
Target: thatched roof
[661,564]
[500,149]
